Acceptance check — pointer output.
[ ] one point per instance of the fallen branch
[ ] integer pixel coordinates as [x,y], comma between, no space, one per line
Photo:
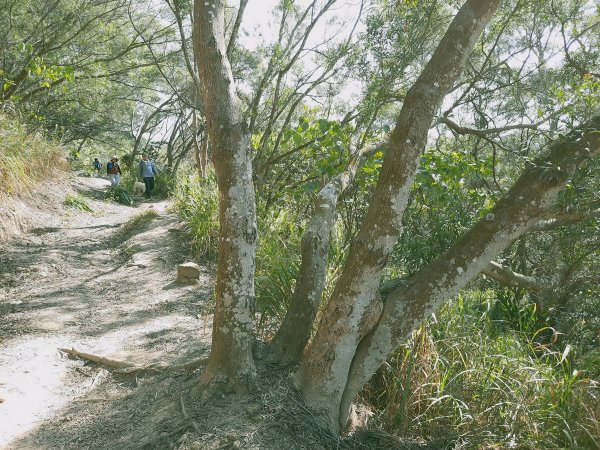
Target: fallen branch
[128,368]
[113,363]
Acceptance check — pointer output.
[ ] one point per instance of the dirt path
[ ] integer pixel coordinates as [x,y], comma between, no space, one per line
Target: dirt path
[102,283]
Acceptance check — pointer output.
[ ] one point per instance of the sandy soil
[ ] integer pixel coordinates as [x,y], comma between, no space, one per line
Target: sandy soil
[86,281]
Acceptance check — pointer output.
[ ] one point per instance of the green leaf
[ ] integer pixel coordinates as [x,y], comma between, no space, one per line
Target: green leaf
[324,125]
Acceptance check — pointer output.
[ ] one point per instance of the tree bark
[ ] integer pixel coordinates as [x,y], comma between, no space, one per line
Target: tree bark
[197,155]
[507,277]
[293,334]
[355,305]
[231,367]
[528,199]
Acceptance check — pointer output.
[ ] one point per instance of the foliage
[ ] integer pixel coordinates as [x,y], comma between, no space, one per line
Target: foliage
[277,268]
[120,195]
[196,202]
[316,149]
[449,195]
[79,68]
[77,202]
[458,375]
[26,157]
[165,183]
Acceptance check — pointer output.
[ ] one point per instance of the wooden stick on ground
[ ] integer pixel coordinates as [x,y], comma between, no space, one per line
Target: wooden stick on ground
[129,368]
[114,363]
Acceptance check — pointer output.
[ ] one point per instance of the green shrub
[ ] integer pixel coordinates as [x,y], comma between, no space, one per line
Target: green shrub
[120,195]
[77,202]
[277,268]
[165,183]
[196,202]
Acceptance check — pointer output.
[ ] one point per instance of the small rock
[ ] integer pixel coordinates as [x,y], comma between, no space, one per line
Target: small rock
[188,272]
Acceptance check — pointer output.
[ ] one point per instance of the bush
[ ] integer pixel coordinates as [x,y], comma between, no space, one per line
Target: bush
[120,195]
[77,202]
[277,268]
[457,375]
[165,183]
[196,202]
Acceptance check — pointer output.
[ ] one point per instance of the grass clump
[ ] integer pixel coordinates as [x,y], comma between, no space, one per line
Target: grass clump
[196,202]
[26,157]
[466,374]
[77,202]
[120,195]
[277,268]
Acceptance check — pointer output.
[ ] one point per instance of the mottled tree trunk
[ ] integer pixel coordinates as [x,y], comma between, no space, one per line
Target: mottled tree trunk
[528,199]
[355,306]
[230,366]
[293,334]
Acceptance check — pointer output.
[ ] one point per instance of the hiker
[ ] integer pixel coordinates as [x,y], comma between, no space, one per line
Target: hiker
[146,171]
[114,172]
[96,164]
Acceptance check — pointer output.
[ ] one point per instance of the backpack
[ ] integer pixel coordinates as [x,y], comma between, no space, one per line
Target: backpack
[109,166]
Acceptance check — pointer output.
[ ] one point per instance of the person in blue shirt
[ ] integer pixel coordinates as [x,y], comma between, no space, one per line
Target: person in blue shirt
[146,171]
[97,166]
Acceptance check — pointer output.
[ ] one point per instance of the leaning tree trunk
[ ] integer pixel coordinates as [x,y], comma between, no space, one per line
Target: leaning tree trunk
[230,366]
[528,200]
[355,305]
[295,330]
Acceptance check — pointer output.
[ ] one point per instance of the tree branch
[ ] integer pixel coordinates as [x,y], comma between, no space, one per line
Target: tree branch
[507,277]
[559,220]
[529,198]
[236,27]
[294,332]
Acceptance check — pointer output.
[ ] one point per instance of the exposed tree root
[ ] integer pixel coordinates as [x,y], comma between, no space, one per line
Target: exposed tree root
[186,416]
[128,368]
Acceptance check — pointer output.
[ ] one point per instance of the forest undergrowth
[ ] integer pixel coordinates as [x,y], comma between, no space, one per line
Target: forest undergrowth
[488,368]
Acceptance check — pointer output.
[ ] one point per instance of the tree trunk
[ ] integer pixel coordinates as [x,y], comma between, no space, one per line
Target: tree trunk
[197,156]
[231,367]
[293,334]
[528,199]
[204,155]
[355,305]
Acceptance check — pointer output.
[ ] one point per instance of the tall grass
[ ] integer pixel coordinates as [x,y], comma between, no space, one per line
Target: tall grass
[460,375]
[26,157]
[277,268]
[196,202]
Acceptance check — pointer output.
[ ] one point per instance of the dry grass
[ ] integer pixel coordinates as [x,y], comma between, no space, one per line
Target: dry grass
[26,157]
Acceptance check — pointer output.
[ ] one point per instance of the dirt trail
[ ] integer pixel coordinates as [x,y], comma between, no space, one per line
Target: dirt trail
[93,282]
